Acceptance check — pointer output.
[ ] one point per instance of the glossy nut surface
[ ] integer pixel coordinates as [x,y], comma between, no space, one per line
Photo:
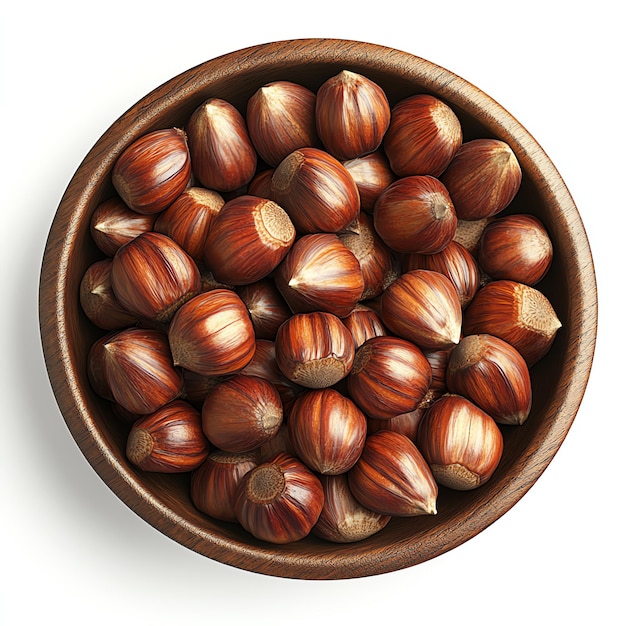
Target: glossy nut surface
[242,413]
[314,350]
[279,501]
[327,431]
[212,334]
[153,171]
[390,376]
[169,440]
[462,444]
[392,478]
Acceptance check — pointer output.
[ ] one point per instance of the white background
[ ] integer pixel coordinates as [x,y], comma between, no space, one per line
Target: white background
[72,553]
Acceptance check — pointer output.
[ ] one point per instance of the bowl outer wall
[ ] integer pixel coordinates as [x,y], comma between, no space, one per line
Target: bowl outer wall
[66,334]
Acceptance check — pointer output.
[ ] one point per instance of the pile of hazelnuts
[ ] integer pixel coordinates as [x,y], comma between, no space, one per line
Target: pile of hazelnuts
[315,308]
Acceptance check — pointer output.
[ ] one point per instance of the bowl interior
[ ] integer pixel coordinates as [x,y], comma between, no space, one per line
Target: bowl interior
[559,379]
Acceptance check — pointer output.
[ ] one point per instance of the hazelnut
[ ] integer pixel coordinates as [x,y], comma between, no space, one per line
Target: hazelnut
[281,118]
[98,301]
[314,350]
[389,376]
[214,483]
[267,307]
[392,477]
[423,136]
[169,441]
[456,263]
[113,224]
[249,237]
[241,413]
[343,519]
[152,276]
[515,247]
[327,431]
[279,501]
[462,444]
[222,153]
[264,365]
[406,424]
[319,273]
[137,370]
[494,375]
[352,115]
[212,334]
[364,323]
[153,170]
[517,313]
[423,306]
[189,218]
[316,190]
[372,176]
[415,214]
[483,178]
[379,264]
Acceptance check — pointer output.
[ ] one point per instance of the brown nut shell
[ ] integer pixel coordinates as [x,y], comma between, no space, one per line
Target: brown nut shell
[168,441]
[98,301]
[456,263]
[95,366]
[469,232]
[212,334]
[113,224]
[242,413]
[415,214]
[372,176]
[264,365]
[266,305]
[189,218]
[462,444]
[519,314]
[343,518]
[378,263]
[222,153]
[327,431]
[494,375]
[352,114]
[153,170]
[249,237]
[423,136]
[406,424]
[319,273]
[392,477]
[280,500]
[214,483]
[364,323]
[138,369]
[314,350]
[438,360]
[316,190]
[515,247]
[152,276]
[389,376]
[483,178]
[423,306]
[281,118]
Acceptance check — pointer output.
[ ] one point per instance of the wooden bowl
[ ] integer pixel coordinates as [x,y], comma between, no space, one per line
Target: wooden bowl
[559,380]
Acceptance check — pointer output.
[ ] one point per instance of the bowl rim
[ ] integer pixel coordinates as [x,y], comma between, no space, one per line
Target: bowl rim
[55,293]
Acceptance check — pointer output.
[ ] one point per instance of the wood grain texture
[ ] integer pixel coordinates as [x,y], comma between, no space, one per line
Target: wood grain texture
[164,501]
